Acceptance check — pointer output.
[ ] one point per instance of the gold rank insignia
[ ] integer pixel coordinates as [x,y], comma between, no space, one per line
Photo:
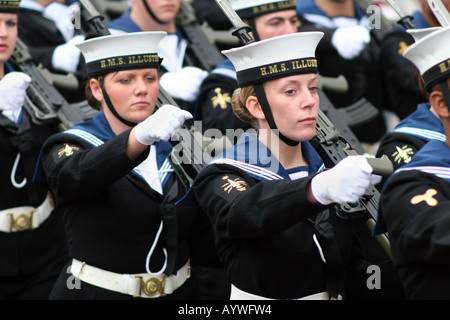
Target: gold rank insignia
[238,184]
[404,153]
[220,99]
[427,197]
[402,47]
[67,150]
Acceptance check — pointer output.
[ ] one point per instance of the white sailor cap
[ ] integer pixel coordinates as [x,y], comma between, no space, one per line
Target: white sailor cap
[276,57]
[9,6]
[252,8]
[121,52]
[418,34]
[431,55]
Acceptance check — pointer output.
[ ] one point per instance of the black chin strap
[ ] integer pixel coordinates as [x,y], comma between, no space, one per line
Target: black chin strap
[251,23]
[150,12]
[446,92]
[113,110]
[261,95]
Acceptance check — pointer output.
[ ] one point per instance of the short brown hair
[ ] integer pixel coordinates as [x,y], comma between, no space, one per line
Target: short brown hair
[238,102]
[92,101]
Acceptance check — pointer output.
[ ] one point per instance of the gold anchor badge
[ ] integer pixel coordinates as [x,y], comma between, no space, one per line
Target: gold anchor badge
[240,185]
[427,197]
[67,150]
[221,99]
[403,153]
[403,47]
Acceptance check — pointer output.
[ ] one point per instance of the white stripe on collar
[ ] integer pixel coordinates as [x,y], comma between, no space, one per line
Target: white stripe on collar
[225,72]
[441,172]
[427,134]
[250,168]
[89,137]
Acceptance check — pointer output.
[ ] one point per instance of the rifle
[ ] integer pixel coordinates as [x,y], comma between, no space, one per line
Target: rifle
[377,33]
[333,147]
[44,102]
[188,156]
[207,55]
[405,19]
[440,11]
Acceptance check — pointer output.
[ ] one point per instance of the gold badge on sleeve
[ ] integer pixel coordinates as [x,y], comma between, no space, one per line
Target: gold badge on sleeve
[67,150]
[220,99]
[428,197]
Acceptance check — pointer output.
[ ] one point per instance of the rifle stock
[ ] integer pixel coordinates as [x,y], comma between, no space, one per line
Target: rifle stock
[332,148]
[207,55]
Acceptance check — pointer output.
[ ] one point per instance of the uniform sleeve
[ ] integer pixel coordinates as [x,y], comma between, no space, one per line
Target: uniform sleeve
[399,74]
[240,207]
[74,171]
[416,211]
[216,111]
[399,148]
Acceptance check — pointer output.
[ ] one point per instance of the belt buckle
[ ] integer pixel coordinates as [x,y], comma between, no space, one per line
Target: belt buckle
[152,286]
[22,222]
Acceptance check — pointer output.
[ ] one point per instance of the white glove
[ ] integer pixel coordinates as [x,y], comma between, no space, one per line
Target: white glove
[66,57]
[184,84]
[350,41]
[160,125]
[344,183]
[64,17]
[13,88]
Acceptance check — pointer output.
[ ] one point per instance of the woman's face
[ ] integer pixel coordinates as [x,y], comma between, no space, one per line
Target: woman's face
[277,24]
[164,10]
[294,102]
[8,35]
[133,93]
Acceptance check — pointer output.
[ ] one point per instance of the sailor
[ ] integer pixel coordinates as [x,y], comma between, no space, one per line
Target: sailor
[401,79]
[33,245]
[181,74]
[415,204]
[114,185]
[267,19]
[269,199]
[46,29]
[348,49]
[414,131]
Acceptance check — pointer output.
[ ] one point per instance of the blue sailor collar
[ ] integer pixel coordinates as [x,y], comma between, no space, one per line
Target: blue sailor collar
[97,131]
[423,124]
[432,158]
[419,20]
[98,127]
[310,7]
[124,23]
[225,68]
[253,157]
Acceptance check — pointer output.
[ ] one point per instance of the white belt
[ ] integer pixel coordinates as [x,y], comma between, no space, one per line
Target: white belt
[140,285]
[26,217]
[237,294]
